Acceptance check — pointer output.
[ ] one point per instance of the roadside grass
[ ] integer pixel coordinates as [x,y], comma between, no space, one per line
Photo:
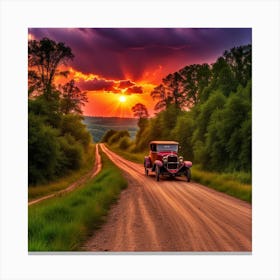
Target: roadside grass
[237,184]
[64,223]
[234,184]
[62,183]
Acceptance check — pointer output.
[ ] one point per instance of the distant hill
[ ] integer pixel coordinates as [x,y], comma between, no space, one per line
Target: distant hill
[99,125]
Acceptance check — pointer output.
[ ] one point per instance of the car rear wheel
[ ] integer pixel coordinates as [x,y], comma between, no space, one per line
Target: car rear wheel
[157,173]
[188,175]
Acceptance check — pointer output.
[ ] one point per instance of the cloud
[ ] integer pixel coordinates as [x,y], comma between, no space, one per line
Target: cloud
[125,84]
[97,85]
[90,82]
[128,53]
[134,89]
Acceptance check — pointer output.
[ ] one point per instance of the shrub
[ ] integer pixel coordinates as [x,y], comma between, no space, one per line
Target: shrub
[124,143]
[43,150]
[115,138]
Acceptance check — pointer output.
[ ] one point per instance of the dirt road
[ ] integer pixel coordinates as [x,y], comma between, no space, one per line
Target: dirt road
[96,169]
[172,215]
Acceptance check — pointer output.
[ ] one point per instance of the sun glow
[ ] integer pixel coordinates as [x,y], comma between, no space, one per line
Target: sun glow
[122,99]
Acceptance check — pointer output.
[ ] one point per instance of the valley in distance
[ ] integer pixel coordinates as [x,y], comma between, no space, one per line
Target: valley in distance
[99,125]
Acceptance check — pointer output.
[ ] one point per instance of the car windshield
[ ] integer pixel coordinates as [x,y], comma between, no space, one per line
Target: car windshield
[167,147]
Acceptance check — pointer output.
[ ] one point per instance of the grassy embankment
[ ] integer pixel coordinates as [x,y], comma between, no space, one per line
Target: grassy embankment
[236,184]
[64,223]
[62,183]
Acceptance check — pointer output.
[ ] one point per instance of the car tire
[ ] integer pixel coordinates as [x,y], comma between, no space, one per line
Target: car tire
[146,171]
[188,175]
[157,173]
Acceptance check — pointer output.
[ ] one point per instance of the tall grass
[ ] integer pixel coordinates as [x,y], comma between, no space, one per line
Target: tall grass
[62,183]
[234,184]
[64,223]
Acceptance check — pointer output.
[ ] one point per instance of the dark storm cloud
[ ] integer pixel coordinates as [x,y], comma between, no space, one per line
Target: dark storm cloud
[119,53]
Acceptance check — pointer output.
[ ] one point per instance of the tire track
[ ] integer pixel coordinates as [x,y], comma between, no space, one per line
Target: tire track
[172,215]
[96,169]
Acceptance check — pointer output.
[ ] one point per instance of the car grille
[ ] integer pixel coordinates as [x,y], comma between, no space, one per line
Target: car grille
[172,162]
[172,165]
[172,159]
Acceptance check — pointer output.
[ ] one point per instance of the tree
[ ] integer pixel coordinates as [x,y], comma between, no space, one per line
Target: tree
[196,78]
[140,111]
[240,61]
[44,58]
[72,98]
[171,91]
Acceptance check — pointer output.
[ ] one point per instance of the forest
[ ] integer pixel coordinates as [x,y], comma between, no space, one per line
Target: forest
[58,141]
[207,108]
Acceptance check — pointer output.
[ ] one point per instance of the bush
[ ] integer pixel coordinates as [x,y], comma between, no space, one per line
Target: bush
[124,143]
[43,151]
[71,124]
[108,135]
[73,154]
[115,138]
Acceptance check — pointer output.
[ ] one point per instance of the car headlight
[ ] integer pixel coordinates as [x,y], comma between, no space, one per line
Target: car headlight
[181,159]
[164,159]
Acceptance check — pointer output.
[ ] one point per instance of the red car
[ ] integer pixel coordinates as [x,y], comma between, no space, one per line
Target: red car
[163,159]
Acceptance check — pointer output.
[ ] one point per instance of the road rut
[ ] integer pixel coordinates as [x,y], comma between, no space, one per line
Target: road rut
[171,215]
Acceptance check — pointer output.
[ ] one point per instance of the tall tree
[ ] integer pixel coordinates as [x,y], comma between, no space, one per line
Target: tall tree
[240,62]
[72,98]
[140,111]
[196,78]
[171,91]
[44,58]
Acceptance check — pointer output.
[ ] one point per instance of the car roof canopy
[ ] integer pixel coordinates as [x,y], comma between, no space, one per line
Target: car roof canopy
[164,142]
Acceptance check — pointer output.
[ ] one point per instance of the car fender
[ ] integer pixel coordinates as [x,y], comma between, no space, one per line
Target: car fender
[147,162]
[158,163]
[188,164]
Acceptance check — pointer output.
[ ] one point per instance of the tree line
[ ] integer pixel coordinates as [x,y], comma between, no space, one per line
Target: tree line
[58,142]
[208,109]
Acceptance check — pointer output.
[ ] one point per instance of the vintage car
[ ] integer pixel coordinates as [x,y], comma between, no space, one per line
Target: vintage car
[163,159]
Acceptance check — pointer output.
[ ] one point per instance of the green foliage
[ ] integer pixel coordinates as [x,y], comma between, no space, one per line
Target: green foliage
[236,184]
[215,131]
[57,139]
[71,124]
[108,135]
[124,143]
[63,224]
[182,133]
[44,151]
[65,181]
[57,143]
[115,138]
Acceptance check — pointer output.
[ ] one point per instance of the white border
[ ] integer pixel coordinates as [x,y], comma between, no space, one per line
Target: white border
[262,16]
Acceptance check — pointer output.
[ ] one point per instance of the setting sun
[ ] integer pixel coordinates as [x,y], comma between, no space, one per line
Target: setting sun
[122,98]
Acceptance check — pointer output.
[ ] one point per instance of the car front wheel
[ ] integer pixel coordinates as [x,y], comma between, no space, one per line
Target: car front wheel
[146,171]
[157,173]
[188,175]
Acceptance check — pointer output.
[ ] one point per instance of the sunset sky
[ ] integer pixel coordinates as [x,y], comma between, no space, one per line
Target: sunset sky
[119,67]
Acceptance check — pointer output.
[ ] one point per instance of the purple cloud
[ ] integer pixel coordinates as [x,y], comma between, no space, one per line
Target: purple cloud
[97,85]
[127,53]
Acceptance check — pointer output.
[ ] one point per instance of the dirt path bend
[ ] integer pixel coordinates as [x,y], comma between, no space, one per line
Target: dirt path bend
[172,215]
[96,169]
